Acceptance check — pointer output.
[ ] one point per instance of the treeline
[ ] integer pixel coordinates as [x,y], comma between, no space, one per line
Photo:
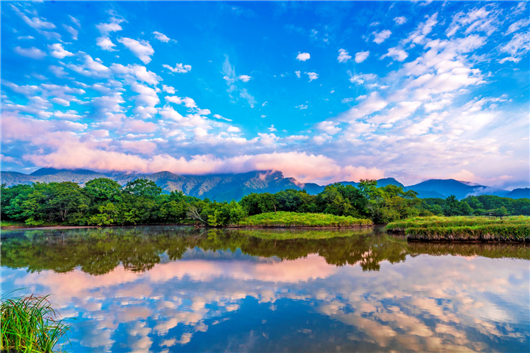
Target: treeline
[103,201]
[483,205]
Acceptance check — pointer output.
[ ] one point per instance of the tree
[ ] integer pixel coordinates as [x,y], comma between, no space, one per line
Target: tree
[259,203]
[108,214]
[288,200]
[103,189]
[173,211]
[142,187]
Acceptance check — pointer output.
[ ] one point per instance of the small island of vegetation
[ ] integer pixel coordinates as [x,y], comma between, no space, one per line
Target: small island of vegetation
[515,228]
[283,219]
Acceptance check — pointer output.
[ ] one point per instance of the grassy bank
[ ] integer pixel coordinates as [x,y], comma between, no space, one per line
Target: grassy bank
[294,219]
[29,324]
[515,228]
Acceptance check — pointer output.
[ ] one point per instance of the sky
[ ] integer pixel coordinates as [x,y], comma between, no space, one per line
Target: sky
[323,92]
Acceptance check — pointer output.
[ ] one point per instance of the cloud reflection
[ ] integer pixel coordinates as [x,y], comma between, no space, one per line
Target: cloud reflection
[223,301]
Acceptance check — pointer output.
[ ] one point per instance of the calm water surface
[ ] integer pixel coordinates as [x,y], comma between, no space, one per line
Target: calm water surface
[171,289]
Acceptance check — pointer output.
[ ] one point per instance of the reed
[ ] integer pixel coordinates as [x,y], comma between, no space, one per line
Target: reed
[30,324]
[515,228]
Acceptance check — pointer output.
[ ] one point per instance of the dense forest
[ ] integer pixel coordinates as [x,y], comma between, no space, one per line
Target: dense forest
[103,202]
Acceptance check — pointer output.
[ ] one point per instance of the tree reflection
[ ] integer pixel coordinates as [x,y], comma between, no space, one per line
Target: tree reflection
[99,251]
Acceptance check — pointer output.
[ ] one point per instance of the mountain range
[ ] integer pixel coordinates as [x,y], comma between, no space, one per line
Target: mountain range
[226,187]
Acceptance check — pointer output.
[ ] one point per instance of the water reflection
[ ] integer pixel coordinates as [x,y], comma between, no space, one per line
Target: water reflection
[178,289]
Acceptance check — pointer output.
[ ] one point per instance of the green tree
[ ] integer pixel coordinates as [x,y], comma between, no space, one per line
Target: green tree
[102,190]
[142,187]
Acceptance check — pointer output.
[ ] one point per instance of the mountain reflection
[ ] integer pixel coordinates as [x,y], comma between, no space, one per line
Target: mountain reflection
[170,289]
[98,251]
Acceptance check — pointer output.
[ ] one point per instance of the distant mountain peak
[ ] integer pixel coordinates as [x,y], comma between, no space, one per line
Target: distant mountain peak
[53,171]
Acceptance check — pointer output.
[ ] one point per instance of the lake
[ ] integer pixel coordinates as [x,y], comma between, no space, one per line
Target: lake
[173,289]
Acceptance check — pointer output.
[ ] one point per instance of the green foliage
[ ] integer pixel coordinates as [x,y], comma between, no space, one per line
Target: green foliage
[29,324]
[102,190]
[142,187]
[259,203]
[289,219]
[102,202]
[516,228]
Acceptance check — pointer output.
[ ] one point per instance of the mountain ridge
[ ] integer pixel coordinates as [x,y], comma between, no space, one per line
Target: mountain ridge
[225,187]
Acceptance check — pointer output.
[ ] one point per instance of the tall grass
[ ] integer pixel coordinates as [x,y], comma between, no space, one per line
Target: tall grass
[436,221]
[30,324]
[294,219]
[516,228]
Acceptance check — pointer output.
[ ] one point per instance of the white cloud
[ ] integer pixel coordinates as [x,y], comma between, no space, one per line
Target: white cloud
[361,78]
[90,68]
[106,28]
[61,101]
[73,32]
[32,52]
[298,74]
[367,107]
[303,56]
[57,51]
[142,49]
[138,71]
[57,71]
[146,100]
[105,43]
[233,84]
[344,56]
[186,101]
[179,68]
[161,37]
[217,116]
[400,20]
[34,22]
[401,111]
[69,115]
[329,127]
[312,76]
[168,89]
[75,21]
[244,78]
[361,56]
[518,46]
[396,54]
[514,27]
[301,106]
[233,129]
[423,29]
[380,37]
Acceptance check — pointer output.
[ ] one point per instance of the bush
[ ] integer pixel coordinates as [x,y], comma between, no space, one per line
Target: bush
[29,324]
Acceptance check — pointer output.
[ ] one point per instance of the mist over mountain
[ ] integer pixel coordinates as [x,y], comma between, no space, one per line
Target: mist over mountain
[226,187]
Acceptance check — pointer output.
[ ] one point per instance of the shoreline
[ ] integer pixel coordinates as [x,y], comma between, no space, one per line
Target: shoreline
[410,238]
[56,227]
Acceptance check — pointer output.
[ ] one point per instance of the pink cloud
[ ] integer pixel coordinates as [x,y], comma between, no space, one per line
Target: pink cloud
[304,167]
[140,126]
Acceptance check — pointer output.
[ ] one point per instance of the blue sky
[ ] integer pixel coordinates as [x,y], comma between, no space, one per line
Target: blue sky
[321,91]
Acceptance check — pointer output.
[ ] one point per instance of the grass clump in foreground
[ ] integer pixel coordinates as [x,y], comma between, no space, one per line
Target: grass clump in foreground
[29,324]
[515,228]
[295,219]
